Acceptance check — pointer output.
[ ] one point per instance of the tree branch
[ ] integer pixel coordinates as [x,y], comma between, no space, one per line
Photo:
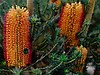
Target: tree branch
[42,57]
[90,10]
[30,6]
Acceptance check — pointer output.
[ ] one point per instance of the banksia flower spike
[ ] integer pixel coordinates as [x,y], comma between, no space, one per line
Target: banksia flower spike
[70,22]
[57,2]
[16,43]
[80,62]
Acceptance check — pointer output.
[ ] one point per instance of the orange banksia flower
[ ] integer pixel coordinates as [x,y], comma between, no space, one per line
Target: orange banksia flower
[81,62]
[16,32]
[70,22]
[57,2]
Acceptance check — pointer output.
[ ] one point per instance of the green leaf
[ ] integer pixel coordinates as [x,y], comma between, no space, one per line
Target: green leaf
[65,1]
[0,45]
[34,19]
[85,1]
[37,71]
[63,58]
[0,38]
[79,73]
[3,63]
[66,71]
[94,32]
[16,71]
[57,31]
[97,39]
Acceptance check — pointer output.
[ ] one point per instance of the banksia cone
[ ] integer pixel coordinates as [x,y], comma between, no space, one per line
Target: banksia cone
[80,62]
[70,22]
[16,43]
[57,2]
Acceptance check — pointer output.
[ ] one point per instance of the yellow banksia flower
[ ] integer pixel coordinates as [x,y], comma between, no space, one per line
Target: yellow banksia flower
[16,32]
[57,2]
[70,22]
[80,62]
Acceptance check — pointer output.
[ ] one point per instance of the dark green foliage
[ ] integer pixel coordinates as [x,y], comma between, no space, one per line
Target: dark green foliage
[92,39]
[47,44]
[89,35]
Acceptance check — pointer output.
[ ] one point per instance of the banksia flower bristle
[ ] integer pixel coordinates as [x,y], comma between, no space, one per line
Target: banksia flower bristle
[80,62]
[70,22]
[16,43]
[57,2]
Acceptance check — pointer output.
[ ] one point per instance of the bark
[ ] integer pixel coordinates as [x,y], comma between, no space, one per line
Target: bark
[90,9]
[30,6]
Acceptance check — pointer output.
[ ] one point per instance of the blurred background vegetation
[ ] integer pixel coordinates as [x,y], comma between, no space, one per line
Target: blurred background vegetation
[49,55]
